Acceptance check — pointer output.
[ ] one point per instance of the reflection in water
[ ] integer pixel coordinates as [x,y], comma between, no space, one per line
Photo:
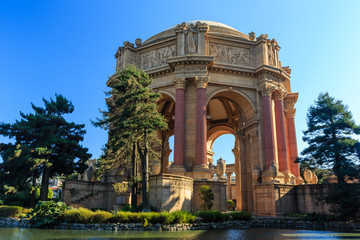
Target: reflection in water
[227,234]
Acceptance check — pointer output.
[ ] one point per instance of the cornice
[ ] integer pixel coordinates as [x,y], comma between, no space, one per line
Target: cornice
[157,42]
[232,38]
[190,59]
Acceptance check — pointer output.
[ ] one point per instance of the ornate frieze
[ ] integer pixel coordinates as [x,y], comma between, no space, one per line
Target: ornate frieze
[157,57]
[279,94]
[230,55]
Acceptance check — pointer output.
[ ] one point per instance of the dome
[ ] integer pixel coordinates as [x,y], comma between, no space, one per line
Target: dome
[214,28]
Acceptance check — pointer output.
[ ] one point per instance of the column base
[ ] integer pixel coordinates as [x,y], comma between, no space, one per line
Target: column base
[202,172]
[177,169]
[289,178]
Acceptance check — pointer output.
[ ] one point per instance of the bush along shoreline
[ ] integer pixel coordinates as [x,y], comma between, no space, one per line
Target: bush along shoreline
[57,215]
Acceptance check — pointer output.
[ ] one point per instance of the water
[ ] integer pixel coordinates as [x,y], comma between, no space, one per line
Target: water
[228,234]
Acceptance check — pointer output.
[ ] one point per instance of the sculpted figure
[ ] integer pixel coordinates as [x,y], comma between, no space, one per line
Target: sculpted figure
[191,41]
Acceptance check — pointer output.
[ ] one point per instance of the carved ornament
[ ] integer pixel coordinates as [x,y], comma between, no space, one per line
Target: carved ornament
[252,36]
[179,82]
[290,113]
[273,56]
[230,55]
[157,57]
[266,89]
[279,94]
[201,81]
[262,36]
[290,100]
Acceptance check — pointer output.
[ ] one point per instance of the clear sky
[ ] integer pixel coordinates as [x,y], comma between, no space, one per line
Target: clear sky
[68,47]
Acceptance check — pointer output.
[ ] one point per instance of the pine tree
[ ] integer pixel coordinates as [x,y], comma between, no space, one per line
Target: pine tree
[330,137]
[331,146]
[48,142]
[133,121]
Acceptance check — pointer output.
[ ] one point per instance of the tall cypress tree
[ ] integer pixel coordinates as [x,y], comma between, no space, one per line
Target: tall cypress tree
[133,121]
[49,143]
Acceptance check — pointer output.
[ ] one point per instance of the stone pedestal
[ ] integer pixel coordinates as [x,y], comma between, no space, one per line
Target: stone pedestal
[171,192]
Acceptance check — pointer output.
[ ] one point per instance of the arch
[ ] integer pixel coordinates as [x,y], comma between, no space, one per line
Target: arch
[168,93]
[216,132]
[233,90]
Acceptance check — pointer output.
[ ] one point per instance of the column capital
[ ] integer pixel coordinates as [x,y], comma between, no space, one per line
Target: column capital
[290,113]
[179,82]
[266,89]
[202,81]
[290,100]
[279,94]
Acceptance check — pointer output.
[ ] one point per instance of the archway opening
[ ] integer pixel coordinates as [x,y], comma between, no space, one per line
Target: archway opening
[222,148]
[171,146]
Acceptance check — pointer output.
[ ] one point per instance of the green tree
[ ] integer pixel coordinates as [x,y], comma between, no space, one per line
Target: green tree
[331,146]
[49,144]
[207,197]
[133,121]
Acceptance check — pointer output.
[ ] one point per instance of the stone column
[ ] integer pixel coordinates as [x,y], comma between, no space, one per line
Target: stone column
[290,112]
[238,188]
[228,185]
[179,129]
[281,132]
[201,130]
[268,127]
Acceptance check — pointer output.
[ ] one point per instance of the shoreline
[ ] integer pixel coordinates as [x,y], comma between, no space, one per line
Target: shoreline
[233,224]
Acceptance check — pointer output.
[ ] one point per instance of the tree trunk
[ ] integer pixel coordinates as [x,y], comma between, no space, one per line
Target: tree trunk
[145,175]
[134,178]
[32,198]
[45,184]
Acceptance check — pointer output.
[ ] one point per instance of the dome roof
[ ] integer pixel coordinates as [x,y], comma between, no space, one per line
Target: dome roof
[214,27]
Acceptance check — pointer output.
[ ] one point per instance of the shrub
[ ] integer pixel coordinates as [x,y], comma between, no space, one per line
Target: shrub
[183,217]
[206,196]
[312,217]
[77,215]
[1,202]
[47,213]
[10,211]
[120,217]
[238,215]
[213,216]
[101,217]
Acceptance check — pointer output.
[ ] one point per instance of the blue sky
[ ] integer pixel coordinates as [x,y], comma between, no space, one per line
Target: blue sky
[68,47]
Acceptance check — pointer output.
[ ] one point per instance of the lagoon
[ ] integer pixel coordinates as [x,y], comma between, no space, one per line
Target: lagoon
[224,234]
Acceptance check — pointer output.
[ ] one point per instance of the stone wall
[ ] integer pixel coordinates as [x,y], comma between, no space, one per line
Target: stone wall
[281,199]
[219,190]
[89,194]
[171,192]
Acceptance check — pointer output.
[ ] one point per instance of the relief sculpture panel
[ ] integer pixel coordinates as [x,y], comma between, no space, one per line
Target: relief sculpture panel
[157,57]
[230,55]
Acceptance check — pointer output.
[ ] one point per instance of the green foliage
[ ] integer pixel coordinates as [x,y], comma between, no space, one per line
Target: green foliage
[345,200]
[329,135]
[331,146]
[12,196]
[47,213]
[239,215]
[45,143]
[1,202]
[37,193]
[77,215]
[230,204]
[183,217]
[10,211]
[134,119]
[207,197]
[213,216]
[100,216]
[314,217]
[120,187]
